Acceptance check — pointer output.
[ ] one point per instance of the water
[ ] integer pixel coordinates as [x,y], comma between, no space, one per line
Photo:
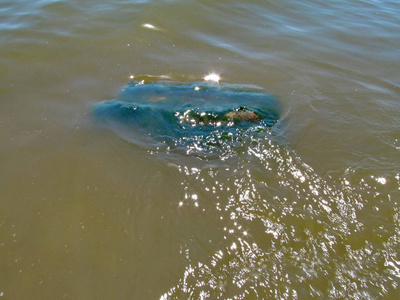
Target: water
[309,210]
[203,119]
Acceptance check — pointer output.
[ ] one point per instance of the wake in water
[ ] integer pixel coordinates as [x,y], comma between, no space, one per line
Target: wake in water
[279,230]
[291,233]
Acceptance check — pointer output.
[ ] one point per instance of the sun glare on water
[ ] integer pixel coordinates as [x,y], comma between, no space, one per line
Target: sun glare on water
[212,77]
[149,26]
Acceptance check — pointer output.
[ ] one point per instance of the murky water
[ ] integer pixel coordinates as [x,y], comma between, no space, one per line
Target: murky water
[306,210]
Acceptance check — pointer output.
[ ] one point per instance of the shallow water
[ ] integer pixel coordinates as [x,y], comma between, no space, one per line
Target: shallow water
[308,210]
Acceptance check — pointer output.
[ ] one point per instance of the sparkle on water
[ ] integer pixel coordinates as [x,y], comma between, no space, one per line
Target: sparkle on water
[212,77]
[329,232]
[308,209]
[149,26]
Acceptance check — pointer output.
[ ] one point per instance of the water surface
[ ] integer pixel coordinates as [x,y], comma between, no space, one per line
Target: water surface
[308,211]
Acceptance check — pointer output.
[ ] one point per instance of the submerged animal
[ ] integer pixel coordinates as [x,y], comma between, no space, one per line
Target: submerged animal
[240,114]
[194,111]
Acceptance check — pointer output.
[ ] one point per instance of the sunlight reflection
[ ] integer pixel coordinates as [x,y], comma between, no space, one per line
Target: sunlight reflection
[252,213]
[381,180]
[212,77]
[149,26]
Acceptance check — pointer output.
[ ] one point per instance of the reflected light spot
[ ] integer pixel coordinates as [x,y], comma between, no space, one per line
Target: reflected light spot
[212,77]
[233,246]
[149,26]
[381,180]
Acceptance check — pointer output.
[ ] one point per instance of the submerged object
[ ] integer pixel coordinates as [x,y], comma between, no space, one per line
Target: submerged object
[183,113]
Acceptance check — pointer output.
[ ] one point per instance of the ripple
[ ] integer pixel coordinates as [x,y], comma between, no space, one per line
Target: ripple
[313,229]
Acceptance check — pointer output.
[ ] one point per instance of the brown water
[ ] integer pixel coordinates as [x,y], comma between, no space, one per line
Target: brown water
[309,211]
